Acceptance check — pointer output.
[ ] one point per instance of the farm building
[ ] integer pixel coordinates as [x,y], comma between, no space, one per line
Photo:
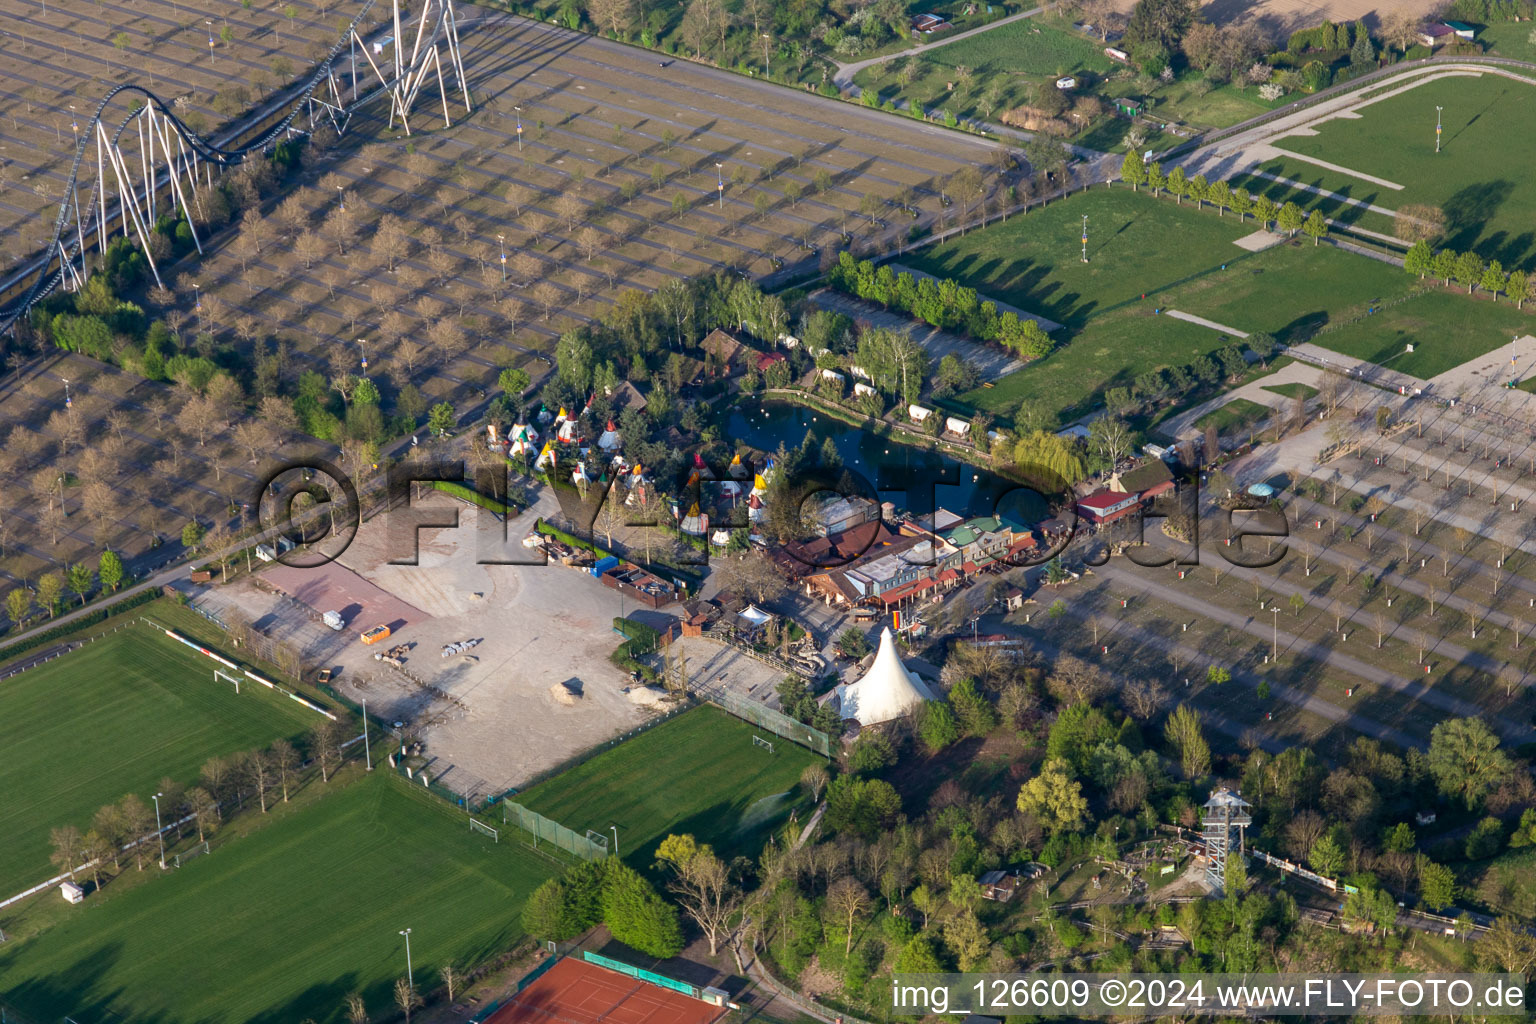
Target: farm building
[1435,35]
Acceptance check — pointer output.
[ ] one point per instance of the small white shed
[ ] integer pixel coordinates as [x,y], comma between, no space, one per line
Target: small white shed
[918,413]
[957,426]
[1066,83]
[72,892]
[863,389]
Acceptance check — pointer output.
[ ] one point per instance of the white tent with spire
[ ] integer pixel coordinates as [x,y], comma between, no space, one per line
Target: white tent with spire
[888,690]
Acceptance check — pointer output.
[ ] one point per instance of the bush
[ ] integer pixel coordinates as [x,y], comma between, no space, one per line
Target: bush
[474,497]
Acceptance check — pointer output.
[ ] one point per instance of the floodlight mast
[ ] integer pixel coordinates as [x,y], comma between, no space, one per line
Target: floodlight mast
[1438,128]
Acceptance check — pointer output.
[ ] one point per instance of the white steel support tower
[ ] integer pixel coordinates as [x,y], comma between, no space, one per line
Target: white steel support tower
[136,161]
[1223,821]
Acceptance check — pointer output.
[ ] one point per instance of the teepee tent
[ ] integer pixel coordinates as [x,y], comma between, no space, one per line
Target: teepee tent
[610,438]
[886,691]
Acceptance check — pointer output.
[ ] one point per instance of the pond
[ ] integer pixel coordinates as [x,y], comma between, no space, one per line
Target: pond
[914,479]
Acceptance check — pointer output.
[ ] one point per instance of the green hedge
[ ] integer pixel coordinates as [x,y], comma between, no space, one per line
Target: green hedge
[94,618]
[474,497]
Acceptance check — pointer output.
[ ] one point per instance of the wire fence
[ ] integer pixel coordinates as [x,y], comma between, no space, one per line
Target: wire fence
[550,831]
[776,722]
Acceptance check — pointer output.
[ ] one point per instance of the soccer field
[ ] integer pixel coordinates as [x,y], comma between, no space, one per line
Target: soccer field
[112,718]
[698,773]
[280,925]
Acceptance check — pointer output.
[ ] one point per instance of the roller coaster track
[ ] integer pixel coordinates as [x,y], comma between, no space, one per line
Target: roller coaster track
[172,174]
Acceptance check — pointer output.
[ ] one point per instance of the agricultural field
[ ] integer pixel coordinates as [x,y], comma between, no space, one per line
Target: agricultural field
[60,57]
[703,775]
[284,922]
[112,718]
[1479,177]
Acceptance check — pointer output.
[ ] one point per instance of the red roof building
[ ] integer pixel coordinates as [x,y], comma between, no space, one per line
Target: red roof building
[1107,506]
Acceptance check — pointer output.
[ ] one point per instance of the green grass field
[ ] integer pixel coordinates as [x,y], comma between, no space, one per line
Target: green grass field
[1446,330]
[1295,389]
[1239,412]
[279,925]
[113,718]
[1480,179]
[1180,258]
[1136,244]
[1007,62]
[698,773]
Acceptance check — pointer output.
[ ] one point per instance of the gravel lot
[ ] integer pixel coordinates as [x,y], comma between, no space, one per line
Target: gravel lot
[488,717]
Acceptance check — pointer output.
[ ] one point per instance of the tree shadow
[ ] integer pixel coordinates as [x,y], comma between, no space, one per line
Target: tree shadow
[1470,209]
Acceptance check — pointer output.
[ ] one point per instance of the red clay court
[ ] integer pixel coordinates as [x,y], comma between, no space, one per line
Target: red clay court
[576,992]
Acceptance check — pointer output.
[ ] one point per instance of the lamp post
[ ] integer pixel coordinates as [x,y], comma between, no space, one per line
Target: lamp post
[501,240]
[69,403]
[409,979]
[362,345]
[1274,639]
[341,198]
[615,839]
[519,128]
[1438,128]
[197,301]
[209,23]
[720,182]
[159,830]
[1085,238]
[367,754]
[766,39]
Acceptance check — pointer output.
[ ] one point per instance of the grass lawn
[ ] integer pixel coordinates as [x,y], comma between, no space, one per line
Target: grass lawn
[1179,257]
[116,717]
[279,925]
[1481,179]
[1446,329]
[1511,39]
[1295,389]
[1236,414]
[1136,244]
[698,773]
[1334,208]
[1008,63]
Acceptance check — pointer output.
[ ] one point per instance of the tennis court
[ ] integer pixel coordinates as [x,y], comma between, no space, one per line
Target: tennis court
[576,992]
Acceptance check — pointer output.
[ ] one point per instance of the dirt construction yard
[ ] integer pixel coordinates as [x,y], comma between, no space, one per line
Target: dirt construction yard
[490,718]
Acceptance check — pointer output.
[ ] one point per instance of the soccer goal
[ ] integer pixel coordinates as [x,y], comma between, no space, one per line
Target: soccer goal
[475,826]
[186,855]
[219,673]
[758,741]
[598,839]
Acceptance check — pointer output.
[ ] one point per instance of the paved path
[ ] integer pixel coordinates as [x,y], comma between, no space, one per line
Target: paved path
[1203,322]
[843,78]
[1320,191]
[1371,373]
[1181,427]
